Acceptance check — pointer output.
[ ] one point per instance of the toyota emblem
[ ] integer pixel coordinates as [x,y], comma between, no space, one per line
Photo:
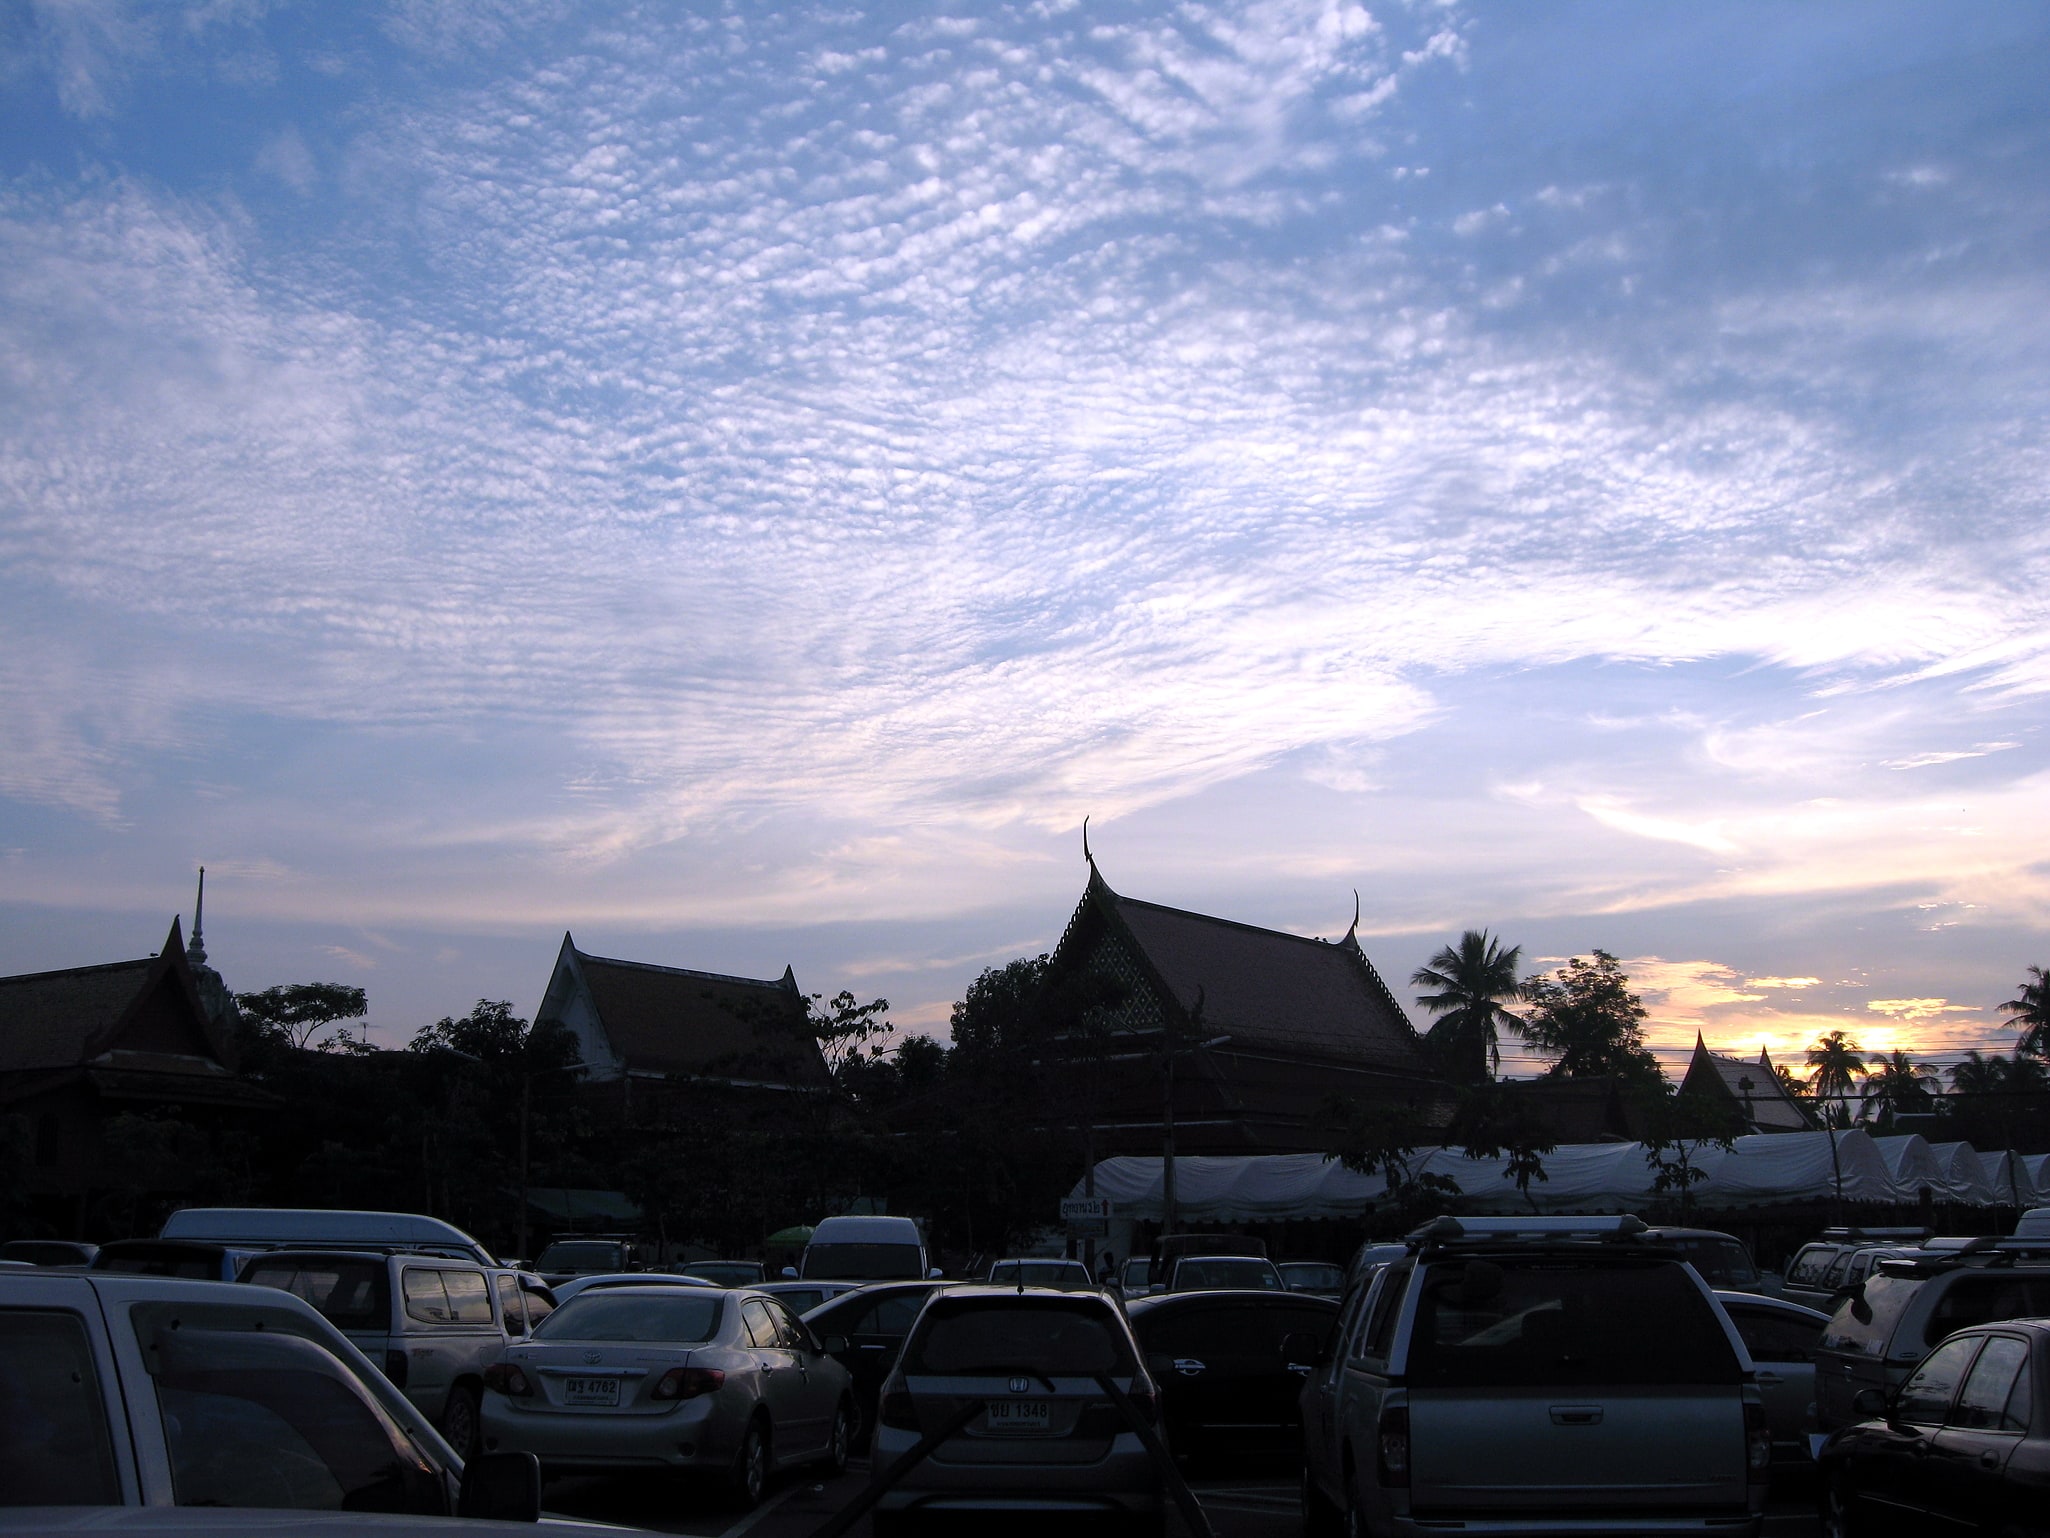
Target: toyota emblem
[594,1357]
[1019,1385]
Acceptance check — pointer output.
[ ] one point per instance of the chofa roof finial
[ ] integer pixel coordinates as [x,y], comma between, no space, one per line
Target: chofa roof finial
[1085,843]
[1352,935]
[196,951]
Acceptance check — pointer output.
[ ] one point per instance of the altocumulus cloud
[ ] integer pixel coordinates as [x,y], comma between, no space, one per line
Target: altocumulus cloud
[884,436]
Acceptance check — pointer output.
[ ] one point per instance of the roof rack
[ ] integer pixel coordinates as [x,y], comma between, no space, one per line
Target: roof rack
[1876,1234]
[1985,1251]
[1441,1233]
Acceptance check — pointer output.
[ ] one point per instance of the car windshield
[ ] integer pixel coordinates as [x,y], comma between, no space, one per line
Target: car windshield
[1038,1273]
[800,1300]
[582,1256]
[634,1316]
[727,1273]
[863,1262]
[1526,1323]
[354,1294]
[966,1336]
[1722,1262]
[1226,1271]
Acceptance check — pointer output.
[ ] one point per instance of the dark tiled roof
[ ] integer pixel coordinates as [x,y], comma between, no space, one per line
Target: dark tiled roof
[1578,1110]
[58,1019]
[1273,991]
[671,1020]
[1763,1099]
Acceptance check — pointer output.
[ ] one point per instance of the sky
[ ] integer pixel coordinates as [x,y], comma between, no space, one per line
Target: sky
[741,484]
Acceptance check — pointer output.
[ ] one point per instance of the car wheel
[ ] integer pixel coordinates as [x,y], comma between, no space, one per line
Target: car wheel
[1320,1516]
[749,1477]
[460,1421]
[1839,1518]
[841,1443]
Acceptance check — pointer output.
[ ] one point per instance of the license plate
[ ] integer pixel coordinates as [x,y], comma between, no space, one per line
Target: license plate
[1018,1417]
[592,1391]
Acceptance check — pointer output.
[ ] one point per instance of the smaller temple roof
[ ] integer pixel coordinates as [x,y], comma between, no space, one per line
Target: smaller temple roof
[79,1015]
[1754,1088]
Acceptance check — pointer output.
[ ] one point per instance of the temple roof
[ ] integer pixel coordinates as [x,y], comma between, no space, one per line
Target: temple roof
[674,1020]
[64,1019]
[1267,989]
[1755,1088]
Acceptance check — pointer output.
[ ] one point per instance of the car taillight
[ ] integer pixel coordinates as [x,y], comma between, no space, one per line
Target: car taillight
[687,1383]
[507,1379]
[1757,1443]
[1393,1454]
[395,1368]
[897,1412]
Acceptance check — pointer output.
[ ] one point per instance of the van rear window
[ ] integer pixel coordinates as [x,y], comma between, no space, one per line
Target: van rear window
[1508,1323]
[862,1262]
[350,1294]
[972,1337]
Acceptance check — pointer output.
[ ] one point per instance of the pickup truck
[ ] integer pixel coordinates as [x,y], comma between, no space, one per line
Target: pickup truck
[150,1391]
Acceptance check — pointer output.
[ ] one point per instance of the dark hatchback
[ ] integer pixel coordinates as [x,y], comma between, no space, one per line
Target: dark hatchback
[873,1321]
[1963,1446]
[1231,1366]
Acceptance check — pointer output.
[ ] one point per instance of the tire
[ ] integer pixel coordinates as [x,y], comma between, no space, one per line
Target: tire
[1839,1511]
[840,1444]
[462,1420]
[1321,1519]
[748,1479]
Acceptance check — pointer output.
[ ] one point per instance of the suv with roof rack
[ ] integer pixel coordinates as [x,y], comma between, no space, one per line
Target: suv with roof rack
[1841,1258]
[1885,1325]
[1514,1375]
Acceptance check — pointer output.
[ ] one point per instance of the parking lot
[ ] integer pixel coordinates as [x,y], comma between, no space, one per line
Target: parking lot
[1242,1501]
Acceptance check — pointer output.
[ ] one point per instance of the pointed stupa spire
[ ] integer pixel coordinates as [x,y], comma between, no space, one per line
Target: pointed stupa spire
[196,951]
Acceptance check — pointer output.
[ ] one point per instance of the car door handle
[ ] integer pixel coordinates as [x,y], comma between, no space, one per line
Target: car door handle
[1576,1415]
[1300,1367]
[1770,1377]
[1989,1460]
[1188,1366]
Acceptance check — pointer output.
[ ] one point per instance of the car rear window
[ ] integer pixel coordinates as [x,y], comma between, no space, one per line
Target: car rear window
[352,1294]
[967,1336]
[1864,1322]
[1226,1272]
[1038,1273]
[1722,1262]
[1516,1323]
[625,1316]
[1809,1264]
[55,1449]
[584,1256]
[1986,1299]
[862,1262]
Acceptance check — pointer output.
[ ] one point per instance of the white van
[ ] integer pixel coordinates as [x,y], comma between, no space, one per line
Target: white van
[317,1227]
[866,1250]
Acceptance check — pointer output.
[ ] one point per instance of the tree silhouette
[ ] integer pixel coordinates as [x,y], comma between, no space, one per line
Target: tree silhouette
[1473,981]
[1586,1017]
[1834,1067]
[2031,1011]
[1898,1085]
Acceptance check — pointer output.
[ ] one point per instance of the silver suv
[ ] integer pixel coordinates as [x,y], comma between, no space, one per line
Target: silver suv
[433,1324]
[1518,1375]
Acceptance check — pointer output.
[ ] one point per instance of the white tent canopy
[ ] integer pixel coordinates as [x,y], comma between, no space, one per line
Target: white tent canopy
[1759,1171]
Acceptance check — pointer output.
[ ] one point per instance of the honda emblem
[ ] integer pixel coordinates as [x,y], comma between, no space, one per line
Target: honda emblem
[1019,1385]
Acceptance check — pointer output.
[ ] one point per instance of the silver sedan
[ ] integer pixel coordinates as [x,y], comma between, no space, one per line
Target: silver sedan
[672,1377]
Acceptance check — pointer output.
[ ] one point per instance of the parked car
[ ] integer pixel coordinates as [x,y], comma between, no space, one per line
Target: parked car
[1213,1273]
[1040,1432]
[728,1273]
[567,1258]
[433,1323]
[1961,1446]
[1066,1275]
[49,1252]
[1135,1278]
[1721,1258]
[802,1297]
[1230,1365]
[1539,1372]
[578,1285]
[146,1391]
[1319,1277]
[1820,1267]
[1882,1328]
[677,1378]
[865,1249]
[867,1327]
[1782,1339]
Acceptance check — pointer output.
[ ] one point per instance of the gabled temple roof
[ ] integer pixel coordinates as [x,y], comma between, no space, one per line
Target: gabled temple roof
[65,1019]
[673,1020]
[1267,989]
[1754,1088]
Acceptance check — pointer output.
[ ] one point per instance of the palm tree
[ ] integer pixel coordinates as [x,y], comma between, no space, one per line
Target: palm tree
[1833,1063]
[1898,1085]
[1472,983]
[1978,1075]
[2031,1011]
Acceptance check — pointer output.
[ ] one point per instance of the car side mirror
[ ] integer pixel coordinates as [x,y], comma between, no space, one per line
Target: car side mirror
[505,1487]
[933,1275]
[1869,1403]
[833,1345]
[788,1273]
